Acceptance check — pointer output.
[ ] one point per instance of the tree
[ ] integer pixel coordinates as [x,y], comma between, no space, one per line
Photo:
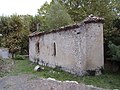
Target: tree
[79,9]
[35,23]
[43,11]
[114,51]
[54,16]
[5,27]
[11,37]
[15,30]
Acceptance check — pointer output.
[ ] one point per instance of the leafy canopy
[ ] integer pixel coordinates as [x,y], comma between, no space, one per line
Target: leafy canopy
[54,15]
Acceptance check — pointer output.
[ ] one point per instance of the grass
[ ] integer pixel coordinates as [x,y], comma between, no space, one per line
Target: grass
[107,80]
[4,66]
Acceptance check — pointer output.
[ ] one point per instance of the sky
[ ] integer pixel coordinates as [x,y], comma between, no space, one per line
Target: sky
[20,7]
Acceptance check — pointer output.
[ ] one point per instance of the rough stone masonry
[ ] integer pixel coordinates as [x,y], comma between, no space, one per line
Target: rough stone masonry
[77,48]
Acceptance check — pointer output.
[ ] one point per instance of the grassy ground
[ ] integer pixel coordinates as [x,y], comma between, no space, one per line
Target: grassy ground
[5,66]
[107,80]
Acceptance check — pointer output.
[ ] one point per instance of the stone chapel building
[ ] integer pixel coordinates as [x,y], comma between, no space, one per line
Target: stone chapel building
[77,48]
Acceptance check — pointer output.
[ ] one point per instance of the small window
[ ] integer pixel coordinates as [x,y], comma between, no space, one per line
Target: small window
[54,49]
[37,47]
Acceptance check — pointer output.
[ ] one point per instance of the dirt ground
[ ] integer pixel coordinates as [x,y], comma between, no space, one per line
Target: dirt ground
[21,82]
[32,82]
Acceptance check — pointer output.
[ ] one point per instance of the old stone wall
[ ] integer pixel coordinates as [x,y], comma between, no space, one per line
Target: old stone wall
[76,50]
[94,46]
[70,49]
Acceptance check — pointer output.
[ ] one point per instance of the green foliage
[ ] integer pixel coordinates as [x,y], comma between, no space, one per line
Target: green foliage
[44,9]
[35,22]
[116,23]
[57,16]
[53,15]
[114,51]
[79,9]
[15,30]
[19,57]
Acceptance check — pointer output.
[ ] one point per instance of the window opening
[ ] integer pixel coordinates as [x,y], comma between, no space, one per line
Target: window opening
[54,49]
[37,47]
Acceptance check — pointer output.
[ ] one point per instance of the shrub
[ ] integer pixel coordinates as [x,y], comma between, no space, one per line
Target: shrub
[114,51]
[19,57]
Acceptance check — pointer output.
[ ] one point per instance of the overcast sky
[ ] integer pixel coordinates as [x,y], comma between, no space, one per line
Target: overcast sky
[22,7]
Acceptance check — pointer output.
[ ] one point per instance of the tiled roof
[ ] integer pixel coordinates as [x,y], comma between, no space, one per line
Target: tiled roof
[93,19]
[90,19]
[65,28]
